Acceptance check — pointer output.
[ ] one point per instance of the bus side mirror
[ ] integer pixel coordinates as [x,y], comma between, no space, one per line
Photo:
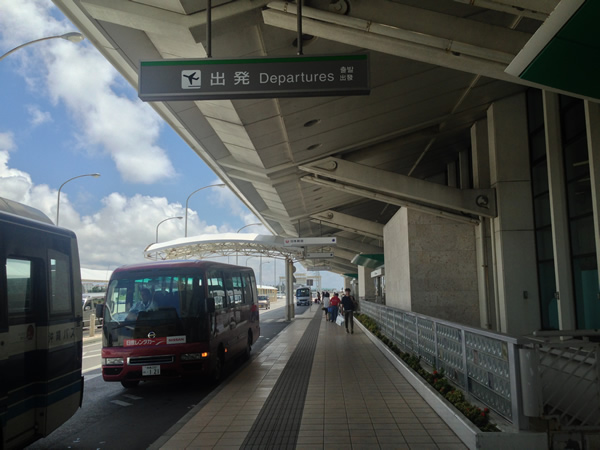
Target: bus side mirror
[100,310]
[210,305]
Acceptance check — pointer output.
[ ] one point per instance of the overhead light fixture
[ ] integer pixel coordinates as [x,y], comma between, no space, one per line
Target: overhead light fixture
[312,123]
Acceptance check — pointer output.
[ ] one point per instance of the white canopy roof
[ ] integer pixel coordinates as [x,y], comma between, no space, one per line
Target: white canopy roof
[95,275]
[225,244]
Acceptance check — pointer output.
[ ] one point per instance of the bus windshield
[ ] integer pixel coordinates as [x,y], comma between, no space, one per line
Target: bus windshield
[303,292]
[162,304]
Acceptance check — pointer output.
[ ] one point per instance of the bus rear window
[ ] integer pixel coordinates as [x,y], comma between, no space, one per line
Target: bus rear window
[19,285]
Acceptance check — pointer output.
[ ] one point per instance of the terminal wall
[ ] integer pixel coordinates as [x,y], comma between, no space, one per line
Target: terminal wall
[430,265]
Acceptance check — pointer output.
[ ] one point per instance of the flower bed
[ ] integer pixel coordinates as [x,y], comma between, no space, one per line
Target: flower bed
[479,417]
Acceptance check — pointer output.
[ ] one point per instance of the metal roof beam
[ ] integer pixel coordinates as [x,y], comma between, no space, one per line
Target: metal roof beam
[412,44]
[356,246]
[349,223]
[480,202]
[532,9]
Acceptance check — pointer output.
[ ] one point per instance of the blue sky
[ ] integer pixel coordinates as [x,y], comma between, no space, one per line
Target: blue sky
[65,112]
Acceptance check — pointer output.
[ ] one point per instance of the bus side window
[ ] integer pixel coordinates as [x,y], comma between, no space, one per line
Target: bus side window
[61,300]
[236,279]
[248,296]
[19,274]
[229,288]
[215,288]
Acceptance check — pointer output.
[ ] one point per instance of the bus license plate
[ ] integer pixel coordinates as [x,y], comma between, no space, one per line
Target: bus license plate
[150,370]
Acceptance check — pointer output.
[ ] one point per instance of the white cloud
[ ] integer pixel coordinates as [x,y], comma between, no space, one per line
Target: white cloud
[116,234]
[38,116]
[7,142]
[77,75]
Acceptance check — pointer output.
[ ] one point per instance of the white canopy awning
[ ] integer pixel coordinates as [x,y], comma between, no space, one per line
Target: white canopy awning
[225,244]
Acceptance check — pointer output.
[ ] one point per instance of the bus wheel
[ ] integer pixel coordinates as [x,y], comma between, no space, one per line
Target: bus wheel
[248,346]
[129,384]
[217,371]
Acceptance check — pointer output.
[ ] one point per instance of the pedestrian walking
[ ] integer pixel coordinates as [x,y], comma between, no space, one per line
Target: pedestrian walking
[348,307]
[334,303]
[326,304]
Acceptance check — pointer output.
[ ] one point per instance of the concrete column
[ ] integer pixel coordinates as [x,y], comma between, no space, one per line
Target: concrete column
[483,241]
[366,287]
[592,119]
[559,213]
[514,238]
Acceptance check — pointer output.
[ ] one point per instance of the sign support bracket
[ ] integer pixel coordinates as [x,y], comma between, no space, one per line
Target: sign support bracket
[299,22]
[209,29]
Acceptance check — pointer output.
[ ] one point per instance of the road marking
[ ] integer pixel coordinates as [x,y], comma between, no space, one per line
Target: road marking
[91,377]
[92,356]
[92,368]
[132,397]
[120,403]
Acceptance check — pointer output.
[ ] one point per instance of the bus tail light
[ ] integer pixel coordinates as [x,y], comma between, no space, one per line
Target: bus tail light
[194,356]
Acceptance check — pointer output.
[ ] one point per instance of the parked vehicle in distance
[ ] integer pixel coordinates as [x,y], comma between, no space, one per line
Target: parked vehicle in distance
[303,296]
[170,319]
[264,302]
[269,292]
[90,303]
[41,385]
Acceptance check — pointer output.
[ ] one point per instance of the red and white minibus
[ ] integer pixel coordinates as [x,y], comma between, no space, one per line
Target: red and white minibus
[176,318]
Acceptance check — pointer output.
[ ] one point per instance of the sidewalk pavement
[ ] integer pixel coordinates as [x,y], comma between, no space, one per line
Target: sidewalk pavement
[354,398]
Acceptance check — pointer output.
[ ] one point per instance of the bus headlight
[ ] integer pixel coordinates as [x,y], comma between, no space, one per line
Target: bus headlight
[193,356]
[112,361]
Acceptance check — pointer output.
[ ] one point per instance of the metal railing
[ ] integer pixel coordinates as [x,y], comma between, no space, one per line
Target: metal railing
[566,381]
[481,363]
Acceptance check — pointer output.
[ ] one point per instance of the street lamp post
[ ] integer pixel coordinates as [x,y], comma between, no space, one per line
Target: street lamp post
[245,226]
[95,175]
[188,199]
[260,271]
[168,218]
[73,37]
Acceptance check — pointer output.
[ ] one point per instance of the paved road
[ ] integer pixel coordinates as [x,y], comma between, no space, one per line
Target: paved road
[113,417]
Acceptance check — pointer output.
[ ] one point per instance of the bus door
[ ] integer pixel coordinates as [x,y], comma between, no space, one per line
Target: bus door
[63,338]
[20,365]
[223,317]
[233,281]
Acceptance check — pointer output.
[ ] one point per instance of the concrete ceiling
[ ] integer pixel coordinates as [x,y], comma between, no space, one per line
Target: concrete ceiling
[436,66]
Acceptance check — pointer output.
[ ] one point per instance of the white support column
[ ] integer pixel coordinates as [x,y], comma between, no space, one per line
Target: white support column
[483,241]
[514,246]
[463,169]
[559,213]
[289,290]
[451,173]
[592,119]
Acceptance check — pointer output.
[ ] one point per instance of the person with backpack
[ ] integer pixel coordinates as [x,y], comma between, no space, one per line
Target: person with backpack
[348,307]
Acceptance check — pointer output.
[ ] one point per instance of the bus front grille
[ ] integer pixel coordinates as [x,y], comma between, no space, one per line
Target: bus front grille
[149,360]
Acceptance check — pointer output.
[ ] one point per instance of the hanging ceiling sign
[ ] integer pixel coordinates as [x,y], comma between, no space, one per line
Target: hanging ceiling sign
[299,242]
[298,76]
[319,255]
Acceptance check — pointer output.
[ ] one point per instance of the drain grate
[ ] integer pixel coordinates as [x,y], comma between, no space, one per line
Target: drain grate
[278,423]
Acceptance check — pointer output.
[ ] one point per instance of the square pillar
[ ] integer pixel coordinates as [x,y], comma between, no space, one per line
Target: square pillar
[513,243]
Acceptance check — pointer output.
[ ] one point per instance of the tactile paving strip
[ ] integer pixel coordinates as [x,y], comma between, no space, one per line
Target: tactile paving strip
[278,422]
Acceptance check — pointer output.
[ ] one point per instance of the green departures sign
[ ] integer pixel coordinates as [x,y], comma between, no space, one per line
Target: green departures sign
[300,76]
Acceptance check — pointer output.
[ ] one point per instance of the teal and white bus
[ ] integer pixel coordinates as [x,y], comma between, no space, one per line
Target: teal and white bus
[41,385]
